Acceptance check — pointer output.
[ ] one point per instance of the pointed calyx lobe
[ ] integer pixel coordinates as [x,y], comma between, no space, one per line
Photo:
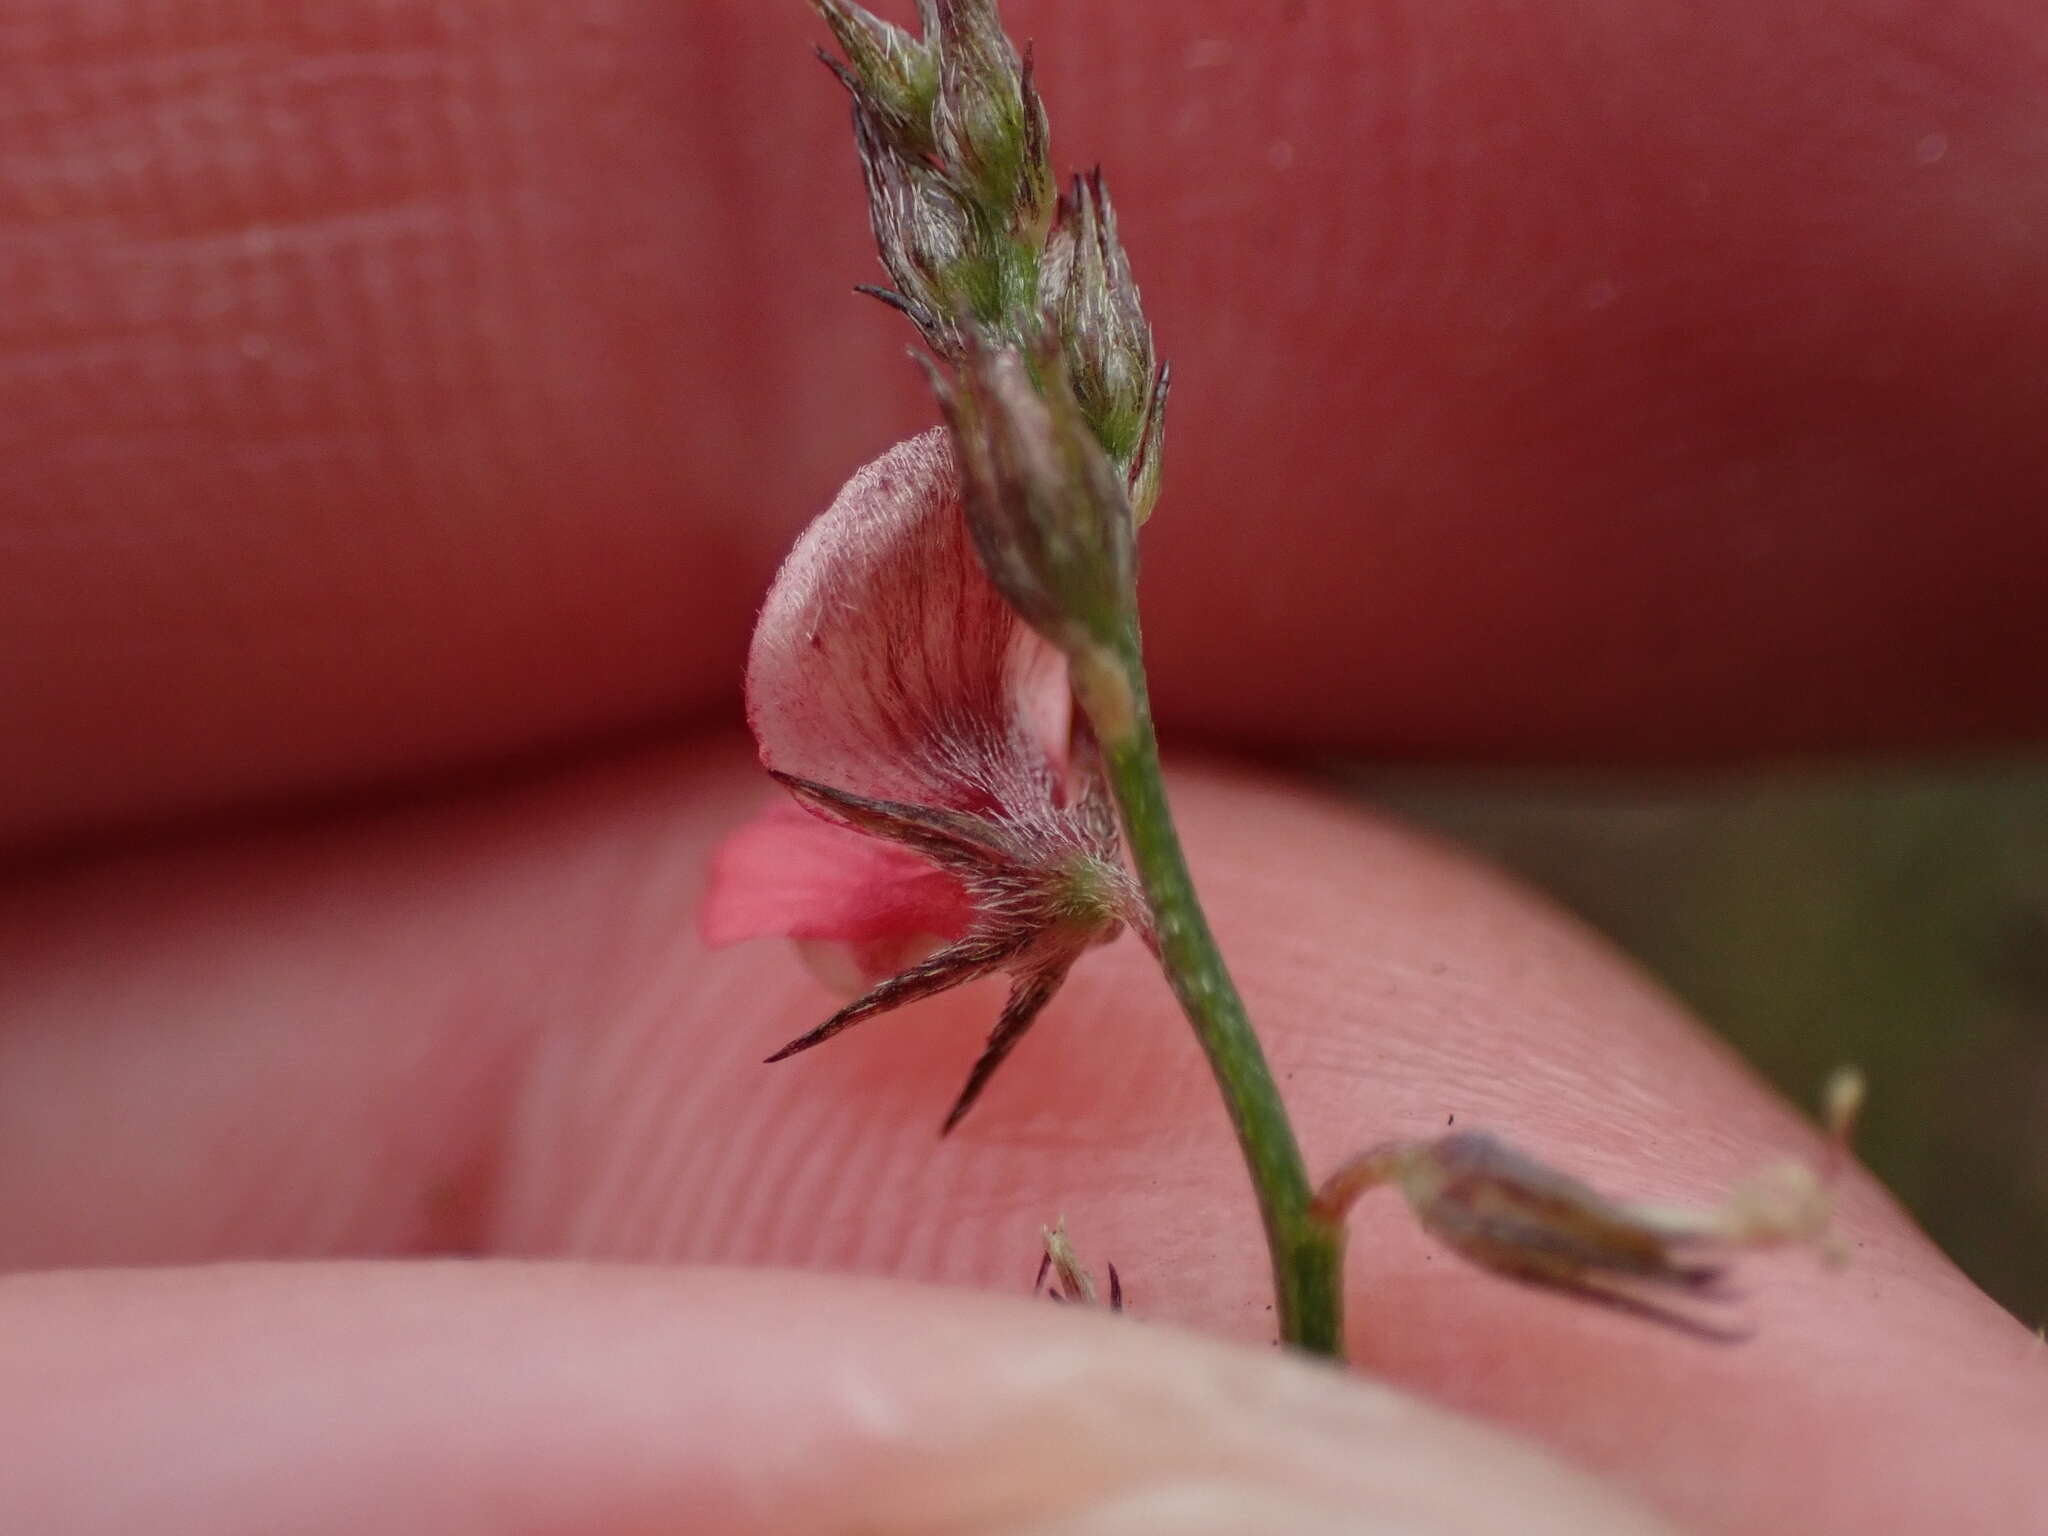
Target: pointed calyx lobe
[930,737]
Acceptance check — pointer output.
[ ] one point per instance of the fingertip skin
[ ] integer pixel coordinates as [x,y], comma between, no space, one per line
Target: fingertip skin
[487,1027]
[482,1399]
[384,391]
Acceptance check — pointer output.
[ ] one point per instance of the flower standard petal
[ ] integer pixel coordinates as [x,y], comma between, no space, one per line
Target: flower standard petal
[886,666]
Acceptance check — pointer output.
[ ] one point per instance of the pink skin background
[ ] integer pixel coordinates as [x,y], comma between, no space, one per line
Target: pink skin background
[407,403]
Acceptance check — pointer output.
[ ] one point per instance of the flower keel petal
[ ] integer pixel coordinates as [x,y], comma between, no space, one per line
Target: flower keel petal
[790,874]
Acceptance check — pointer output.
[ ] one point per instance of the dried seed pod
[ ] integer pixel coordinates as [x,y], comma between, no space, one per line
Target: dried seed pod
[1503,1210]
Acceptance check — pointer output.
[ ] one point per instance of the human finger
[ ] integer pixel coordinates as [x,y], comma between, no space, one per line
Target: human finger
[488,1028]
[403,390]
[472,1398]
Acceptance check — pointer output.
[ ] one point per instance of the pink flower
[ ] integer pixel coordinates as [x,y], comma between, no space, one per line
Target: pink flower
[957,824]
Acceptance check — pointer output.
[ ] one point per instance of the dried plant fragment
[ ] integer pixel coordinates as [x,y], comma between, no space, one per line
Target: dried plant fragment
[1072,1282]
[1503,1210]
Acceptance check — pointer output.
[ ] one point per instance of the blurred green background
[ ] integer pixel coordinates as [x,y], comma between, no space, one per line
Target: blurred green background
[1896,920]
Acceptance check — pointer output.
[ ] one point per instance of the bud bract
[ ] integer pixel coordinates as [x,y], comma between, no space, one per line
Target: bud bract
[1092,300]
[1047,509]
[988,121]
[894,75]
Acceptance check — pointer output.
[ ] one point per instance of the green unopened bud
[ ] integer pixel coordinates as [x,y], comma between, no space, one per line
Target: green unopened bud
[894,75]
[1045,505]
[989,122]
[1091,297]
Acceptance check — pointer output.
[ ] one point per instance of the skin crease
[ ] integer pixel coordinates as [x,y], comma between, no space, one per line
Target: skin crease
[383,391]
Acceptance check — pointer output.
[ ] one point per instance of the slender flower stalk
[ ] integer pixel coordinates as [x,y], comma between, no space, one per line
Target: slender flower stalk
[1306,1245]
[1057,410]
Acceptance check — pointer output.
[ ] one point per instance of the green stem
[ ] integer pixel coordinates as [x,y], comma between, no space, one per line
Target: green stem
[1308,1254]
